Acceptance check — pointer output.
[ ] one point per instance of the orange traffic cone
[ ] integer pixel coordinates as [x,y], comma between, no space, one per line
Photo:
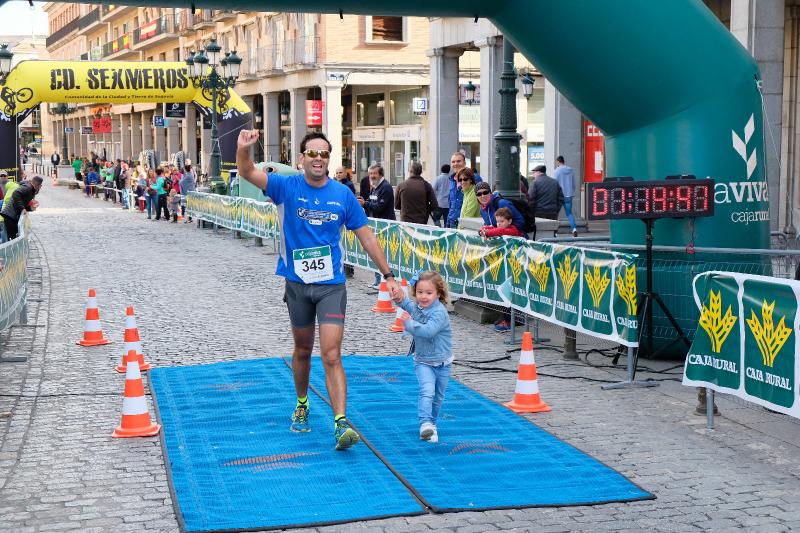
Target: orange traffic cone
[401,315]
[92,333]
[135,416]
[526,393]
[132,342]
[384,304]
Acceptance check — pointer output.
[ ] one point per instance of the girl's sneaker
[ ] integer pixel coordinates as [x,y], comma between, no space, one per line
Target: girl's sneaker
[426,431]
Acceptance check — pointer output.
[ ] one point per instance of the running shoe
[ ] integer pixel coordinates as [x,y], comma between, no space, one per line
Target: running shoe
[426,431]
[300,420]
[344,435]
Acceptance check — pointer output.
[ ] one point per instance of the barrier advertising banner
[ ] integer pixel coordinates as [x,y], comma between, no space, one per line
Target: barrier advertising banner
[591,291]
[745,343]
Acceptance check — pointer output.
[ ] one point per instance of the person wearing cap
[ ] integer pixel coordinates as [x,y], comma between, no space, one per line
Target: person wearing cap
[22,199]
[545,197]
[565,177]
[491,202]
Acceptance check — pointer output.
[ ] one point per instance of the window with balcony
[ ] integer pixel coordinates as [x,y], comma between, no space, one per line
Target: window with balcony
[386,29]
[370,109]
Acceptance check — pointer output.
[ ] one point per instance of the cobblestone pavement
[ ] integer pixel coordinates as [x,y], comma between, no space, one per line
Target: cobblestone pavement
[60,470]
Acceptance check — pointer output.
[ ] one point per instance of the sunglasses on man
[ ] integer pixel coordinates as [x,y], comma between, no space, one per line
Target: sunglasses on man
[324,154]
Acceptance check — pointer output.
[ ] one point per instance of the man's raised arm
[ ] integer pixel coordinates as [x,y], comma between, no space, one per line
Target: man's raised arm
[244,165]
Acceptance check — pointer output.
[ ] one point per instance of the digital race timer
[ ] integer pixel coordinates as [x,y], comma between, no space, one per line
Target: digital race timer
[671,198]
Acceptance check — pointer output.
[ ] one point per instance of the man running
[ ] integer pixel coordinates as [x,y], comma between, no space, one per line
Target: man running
[312,210]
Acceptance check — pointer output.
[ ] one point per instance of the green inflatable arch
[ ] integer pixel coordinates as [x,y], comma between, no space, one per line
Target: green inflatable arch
[670,87]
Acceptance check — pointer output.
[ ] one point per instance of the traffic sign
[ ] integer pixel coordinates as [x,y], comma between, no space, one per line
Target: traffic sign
[69,130]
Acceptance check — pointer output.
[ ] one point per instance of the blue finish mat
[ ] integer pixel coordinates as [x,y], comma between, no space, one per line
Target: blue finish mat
[233,464]
[487,456]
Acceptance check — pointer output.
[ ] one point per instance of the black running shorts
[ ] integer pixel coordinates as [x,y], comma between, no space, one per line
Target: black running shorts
[305,302]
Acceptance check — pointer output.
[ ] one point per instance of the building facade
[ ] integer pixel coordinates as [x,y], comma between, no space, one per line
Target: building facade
[354,78]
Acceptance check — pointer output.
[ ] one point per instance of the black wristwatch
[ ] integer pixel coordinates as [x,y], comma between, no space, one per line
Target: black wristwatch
[388,275]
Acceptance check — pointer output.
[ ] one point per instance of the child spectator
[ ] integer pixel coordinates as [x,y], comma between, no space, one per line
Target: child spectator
[92,179]
[432,347]
[174,204]
[505,225]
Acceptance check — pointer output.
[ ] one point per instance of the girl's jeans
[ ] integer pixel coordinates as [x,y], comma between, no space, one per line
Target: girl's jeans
[432,384]
[150,201]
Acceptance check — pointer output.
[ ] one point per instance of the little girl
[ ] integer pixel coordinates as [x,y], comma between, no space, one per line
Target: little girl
[432,347]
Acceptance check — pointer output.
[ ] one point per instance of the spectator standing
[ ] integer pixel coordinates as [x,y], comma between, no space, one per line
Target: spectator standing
[77,165]
[544,195]
[469,202]
[364,187]
[55,159]
[343,178]
[455,196]
[3,182]
[22,199]
[161,194]
[441,187]
[188,184]
[107,173]
[151,195]
[414,197]
[124,185]
[379,203]
[565,177]
[118,179]
[174,204]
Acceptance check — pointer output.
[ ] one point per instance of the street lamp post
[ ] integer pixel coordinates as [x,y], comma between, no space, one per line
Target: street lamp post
[213,84]
[63,109]
[506,159]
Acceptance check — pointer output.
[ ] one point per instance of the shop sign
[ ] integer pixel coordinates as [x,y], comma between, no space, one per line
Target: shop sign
[101,125]
[420,106]
[408,133]
[86,130]
[314,112]
[159,122]
[69,130]
[175,110]
[368,134]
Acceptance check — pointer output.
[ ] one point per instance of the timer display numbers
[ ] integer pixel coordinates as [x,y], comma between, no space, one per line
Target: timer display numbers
[674,198]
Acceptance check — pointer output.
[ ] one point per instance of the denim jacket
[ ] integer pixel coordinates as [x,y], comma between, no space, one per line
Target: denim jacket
[430,328]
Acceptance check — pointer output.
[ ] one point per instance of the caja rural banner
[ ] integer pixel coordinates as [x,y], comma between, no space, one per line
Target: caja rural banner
[746,339]
[14,276]
[591,291]
[33,82]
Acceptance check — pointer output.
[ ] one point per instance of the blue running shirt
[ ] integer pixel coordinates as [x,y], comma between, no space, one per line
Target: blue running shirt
[312,217]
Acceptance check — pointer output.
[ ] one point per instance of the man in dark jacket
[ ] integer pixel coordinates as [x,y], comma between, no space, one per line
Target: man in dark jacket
[344,179]
[379,203]
[119,179]
[545,197]
[415,198]
[22,199]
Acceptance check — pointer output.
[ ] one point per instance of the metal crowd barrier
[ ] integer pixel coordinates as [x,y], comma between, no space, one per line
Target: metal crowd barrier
[14,282]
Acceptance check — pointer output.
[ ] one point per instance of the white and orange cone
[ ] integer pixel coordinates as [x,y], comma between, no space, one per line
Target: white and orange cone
[136,420]
[384,304]
[132,342]
[401,315]
[526,394]
[92,332]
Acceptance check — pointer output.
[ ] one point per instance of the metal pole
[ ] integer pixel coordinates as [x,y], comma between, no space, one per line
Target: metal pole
[215,155]
[507,140]
[64,149]
[709,408]
[570,351]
